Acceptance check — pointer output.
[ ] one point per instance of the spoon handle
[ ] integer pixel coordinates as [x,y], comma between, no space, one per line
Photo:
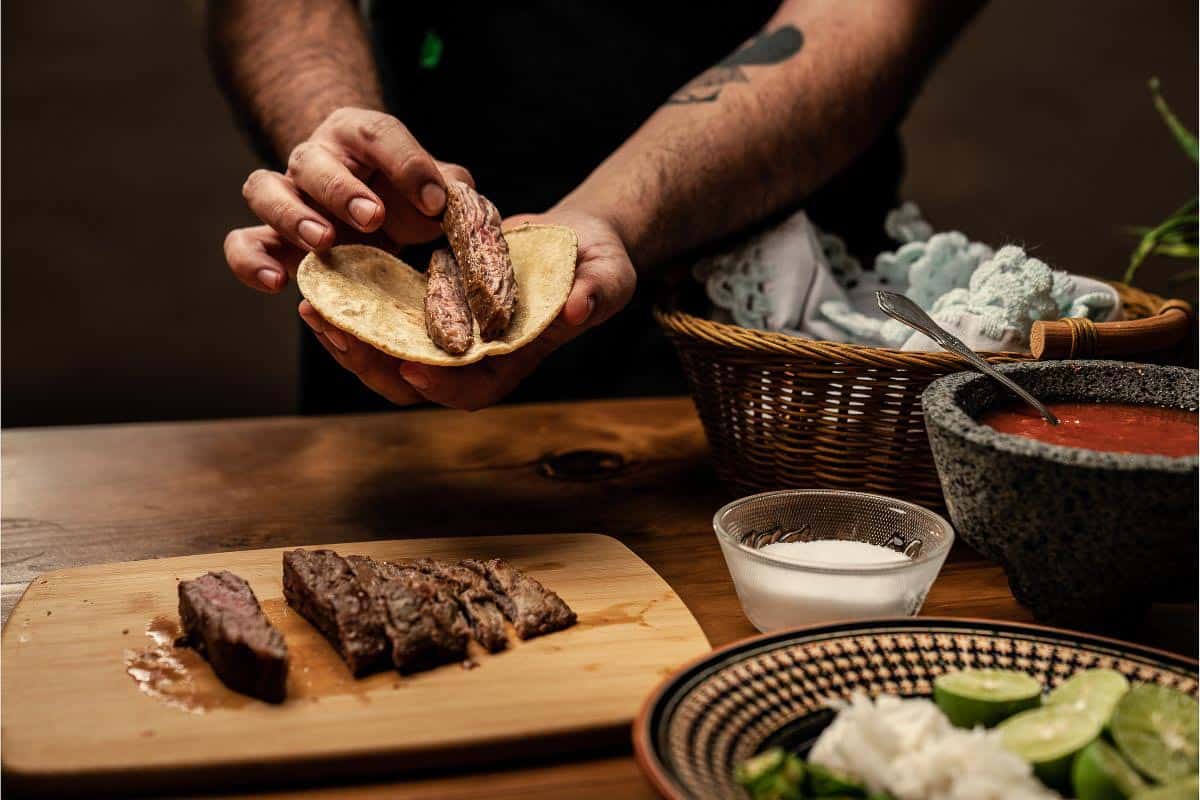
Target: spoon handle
[899,307]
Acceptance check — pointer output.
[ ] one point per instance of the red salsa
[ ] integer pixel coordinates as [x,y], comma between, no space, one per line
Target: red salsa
[1115,427]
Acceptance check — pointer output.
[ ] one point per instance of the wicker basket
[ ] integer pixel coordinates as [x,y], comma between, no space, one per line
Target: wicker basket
[784,412]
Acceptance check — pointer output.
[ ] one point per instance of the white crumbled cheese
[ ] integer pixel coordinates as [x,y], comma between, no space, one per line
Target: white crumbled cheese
[908,748]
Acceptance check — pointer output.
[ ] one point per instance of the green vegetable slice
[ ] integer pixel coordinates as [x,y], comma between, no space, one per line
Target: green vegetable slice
[826,783]
[793,769]
[775,786]
[757,767]
[985,697]
[1099,773]
[1156,729]
[1048,738]
[1096,691]
[1185,789]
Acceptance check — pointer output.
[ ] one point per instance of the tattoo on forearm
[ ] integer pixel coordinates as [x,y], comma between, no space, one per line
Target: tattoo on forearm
[764,50]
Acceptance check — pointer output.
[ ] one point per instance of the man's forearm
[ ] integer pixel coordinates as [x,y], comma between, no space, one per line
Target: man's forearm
[286,64]
[769,124]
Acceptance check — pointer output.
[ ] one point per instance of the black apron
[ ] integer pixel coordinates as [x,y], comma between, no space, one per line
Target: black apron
[531,97]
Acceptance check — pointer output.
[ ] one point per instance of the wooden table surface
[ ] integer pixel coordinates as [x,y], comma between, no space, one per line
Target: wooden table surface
[87,495]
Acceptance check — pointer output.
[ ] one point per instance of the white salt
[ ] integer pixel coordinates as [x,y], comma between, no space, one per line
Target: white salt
[835,551]
[778,596]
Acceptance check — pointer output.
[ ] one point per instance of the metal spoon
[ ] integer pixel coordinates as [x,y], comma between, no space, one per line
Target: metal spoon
[899,307]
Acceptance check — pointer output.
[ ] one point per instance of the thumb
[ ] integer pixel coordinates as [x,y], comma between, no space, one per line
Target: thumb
[601,289]
[597,294]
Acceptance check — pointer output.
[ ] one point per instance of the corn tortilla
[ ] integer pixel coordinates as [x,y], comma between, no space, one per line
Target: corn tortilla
[381,300]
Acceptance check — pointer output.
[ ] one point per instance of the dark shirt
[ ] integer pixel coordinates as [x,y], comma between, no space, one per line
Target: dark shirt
[531,97]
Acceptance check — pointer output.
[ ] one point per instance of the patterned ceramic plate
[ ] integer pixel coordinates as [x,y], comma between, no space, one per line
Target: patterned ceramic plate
[772,690]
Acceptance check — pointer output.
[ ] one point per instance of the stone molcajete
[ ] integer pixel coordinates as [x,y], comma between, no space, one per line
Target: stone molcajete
[1087,538]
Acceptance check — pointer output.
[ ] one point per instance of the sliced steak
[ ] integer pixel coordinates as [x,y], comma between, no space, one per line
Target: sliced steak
[472,224]
[479,603]
[320,585]
[532,608]
[223,621]
[424,624]
[447,316]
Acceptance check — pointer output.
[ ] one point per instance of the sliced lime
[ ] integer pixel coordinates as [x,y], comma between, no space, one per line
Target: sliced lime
[1099,773]
[1184,789]
[1048,738]
[1095,691]
[1156,729]
[985,697]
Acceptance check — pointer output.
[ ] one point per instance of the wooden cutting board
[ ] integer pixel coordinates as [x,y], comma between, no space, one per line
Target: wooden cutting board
[75,719]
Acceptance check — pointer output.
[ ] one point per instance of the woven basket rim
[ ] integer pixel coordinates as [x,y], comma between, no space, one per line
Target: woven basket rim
[731,335]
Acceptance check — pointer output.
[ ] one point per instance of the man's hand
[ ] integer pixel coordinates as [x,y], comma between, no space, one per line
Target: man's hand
[360,168]
[604,283]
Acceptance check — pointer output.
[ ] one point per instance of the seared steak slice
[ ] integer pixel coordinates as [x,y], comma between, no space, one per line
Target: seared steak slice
[424,624]
[320,585]
[447,317]
[472,224]
[479,603]
[532,608]
[223,621]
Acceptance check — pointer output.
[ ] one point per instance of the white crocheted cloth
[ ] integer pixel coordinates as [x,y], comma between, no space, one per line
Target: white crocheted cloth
[797,279]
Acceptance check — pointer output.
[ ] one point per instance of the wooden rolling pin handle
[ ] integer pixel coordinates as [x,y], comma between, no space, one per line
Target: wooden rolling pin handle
[1082,338]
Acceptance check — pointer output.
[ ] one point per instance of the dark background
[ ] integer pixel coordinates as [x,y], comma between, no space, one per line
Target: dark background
[122,173]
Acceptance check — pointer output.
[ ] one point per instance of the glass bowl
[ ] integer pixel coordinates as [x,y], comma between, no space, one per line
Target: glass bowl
[780,590]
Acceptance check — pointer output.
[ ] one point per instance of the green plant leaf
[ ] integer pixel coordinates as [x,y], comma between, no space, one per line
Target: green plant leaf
[1176,250]
[1171,238]
[1183,236]
[1186,139]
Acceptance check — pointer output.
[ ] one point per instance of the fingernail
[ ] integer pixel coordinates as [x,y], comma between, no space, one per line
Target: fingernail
[337,338]
[416,377]
[363,210]
[433,197]
[316,326]
[311,232]
[591,306]
[270,279]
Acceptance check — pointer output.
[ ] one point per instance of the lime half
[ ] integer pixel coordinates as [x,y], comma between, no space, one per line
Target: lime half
[1048,738]
[1156,729]
[1099,773]
[1185,789]
[985,697]
[1096,691]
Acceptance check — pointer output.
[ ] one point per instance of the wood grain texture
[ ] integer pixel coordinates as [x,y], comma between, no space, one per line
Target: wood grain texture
[92,723]
[92,495]
[1081,338]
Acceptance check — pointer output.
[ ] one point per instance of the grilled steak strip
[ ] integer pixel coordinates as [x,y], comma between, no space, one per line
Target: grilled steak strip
[472,224]
[424,624]
[320,585]
[478,602]
[533,609]
[447,317]
[223,621]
